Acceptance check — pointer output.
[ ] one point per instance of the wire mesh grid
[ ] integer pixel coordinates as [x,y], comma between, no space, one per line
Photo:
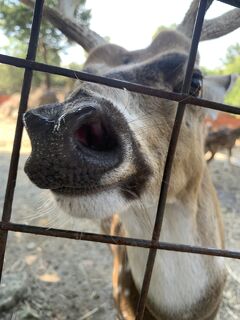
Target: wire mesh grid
[182,98]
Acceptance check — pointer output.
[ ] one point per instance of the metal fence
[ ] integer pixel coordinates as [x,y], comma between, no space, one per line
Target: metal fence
[182,98]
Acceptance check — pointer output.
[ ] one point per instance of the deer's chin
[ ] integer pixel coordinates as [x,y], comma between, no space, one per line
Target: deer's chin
[104,204]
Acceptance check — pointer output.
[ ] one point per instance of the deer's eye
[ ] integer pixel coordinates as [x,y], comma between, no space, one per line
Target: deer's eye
[126,60]
[196,84]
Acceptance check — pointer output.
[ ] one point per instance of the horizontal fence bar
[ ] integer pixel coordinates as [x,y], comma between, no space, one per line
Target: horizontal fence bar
[119,84]
[115,240]
[234,3]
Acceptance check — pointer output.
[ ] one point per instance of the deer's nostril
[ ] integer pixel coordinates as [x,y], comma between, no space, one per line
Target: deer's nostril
[33,120]
[96,136]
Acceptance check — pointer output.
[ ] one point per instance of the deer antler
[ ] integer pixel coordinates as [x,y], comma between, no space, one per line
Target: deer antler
[89,39]
[186,26]
[213,28]
[221,26]
[77,32]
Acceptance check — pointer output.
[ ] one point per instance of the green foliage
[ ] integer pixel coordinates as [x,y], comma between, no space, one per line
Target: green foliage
[231,64]
[10,79]
[233,97]
[15,22]
[233,53]
[16,19]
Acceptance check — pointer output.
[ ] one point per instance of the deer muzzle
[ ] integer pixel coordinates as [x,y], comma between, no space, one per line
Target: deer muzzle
[71,151]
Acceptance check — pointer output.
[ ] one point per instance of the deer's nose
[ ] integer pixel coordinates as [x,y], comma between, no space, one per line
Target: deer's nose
[82,143]
[86,127]
[33,122]
[38,120]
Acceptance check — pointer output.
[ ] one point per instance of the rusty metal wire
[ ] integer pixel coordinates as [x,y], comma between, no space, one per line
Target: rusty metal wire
[27,80]
[134,87]
[182,98]
[116,240]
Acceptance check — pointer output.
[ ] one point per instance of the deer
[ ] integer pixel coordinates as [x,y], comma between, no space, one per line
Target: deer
[221,139]
[101,155]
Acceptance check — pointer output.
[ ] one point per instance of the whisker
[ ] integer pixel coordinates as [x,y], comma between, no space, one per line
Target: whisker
[144,116]
[55,216]
[61,224]
[35,216]
[127,102]
[145,216]
[39,213]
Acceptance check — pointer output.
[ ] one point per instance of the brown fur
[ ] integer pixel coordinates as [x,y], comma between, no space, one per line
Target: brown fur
[189,178]
[125,293]
[103,58]
[222,139]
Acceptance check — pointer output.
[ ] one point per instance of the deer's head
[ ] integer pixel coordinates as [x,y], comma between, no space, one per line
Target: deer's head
[103,149]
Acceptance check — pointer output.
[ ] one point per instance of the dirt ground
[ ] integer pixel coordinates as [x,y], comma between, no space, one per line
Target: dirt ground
[58,279]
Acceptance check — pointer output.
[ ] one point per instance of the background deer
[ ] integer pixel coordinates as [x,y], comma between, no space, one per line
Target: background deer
[103,150]
[222,139]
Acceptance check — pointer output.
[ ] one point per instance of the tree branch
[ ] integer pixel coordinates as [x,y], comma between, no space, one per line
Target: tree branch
[76,32]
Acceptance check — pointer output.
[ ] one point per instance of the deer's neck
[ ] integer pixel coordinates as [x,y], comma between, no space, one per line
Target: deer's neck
[179,224]
[179,279]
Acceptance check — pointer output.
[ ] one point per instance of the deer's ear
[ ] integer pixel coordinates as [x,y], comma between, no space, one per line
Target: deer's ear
[216,87]
[164,70]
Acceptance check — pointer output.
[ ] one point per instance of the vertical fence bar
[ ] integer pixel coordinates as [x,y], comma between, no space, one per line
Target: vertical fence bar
[27,80]
[169,159]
